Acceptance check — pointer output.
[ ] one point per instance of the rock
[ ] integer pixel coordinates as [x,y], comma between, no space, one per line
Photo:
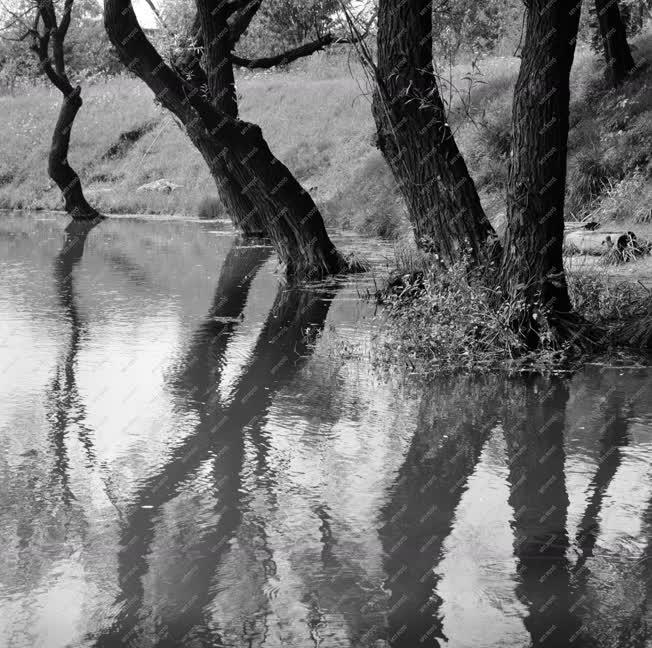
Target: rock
[161,185]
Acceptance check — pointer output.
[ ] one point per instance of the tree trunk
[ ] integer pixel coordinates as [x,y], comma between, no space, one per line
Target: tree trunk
[416,140]
[58,168]
[213,20]
[532,260]
[237,154]
[614,40]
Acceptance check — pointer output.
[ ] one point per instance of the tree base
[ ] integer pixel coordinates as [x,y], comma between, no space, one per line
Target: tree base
[85,214]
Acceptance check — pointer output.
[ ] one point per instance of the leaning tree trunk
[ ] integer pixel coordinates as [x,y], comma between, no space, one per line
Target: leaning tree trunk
[58,168]
[52,36]
[614,40]
[532,259]
[283,208]
[212,22]
[416,140]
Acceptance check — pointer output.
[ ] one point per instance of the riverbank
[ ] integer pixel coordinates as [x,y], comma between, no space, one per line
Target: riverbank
[318,121]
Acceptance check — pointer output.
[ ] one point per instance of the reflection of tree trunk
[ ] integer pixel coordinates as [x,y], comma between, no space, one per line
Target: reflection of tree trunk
[534,433]
[196,385]
[60,171]
[282,348]
[612,440]
[416,139]
[443,454]
[65,404]
[617,54]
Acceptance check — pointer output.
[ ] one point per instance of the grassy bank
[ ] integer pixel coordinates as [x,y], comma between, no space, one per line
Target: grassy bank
[317,119]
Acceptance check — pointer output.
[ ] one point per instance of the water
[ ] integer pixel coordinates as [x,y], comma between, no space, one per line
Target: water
[192,457]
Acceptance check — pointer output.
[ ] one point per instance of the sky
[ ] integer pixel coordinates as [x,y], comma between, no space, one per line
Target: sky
[145,15]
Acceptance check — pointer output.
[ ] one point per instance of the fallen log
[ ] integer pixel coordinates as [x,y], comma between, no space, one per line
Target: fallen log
[599,242]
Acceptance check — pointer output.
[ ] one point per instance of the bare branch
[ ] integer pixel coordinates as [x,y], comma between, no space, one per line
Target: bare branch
[298,52]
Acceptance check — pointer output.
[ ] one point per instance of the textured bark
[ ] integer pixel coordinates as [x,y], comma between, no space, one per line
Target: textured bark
[416,140]
[213,20]
[614,40]
[59,170]
[237,154]
[532,260]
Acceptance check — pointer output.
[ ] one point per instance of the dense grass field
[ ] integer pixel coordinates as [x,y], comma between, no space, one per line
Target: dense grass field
[317,119]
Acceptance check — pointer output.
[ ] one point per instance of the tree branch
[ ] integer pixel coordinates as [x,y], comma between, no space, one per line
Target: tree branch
[293,54]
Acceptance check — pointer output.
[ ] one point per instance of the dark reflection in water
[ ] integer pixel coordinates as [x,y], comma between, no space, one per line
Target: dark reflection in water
[443,452]
[534,423]
[194,458]
[66,408]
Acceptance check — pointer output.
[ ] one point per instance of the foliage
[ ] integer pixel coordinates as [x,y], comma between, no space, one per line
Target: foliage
[87,50]
[472,27]
[283,24]
[634,14]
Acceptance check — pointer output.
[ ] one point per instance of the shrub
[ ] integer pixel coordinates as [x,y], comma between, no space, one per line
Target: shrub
[441,320]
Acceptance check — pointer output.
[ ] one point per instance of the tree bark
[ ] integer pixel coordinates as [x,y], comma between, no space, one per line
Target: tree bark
[532,260]
[260,188]
[416,140]
[614,40]
[59,170]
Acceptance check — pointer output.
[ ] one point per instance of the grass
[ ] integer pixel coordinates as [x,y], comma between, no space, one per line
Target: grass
[440,320]
[317,119]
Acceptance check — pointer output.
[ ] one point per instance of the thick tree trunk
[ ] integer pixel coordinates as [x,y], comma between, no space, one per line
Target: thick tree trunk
[416,139]
[237,154]
[532,260]
[213,20]
[58,168]
[614,40]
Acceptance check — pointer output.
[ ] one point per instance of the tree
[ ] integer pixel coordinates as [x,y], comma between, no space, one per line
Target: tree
[532,262]
[614,41]
[47,32]
[260,193]
[416,140]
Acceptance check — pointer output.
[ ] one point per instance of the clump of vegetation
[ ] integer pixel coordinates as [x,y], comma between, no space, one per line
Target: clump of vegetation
[449,319]
[439,320]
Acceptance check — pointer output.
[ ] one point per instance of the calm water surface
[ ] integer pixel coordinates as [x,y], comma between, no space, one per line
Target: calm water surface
[188,461]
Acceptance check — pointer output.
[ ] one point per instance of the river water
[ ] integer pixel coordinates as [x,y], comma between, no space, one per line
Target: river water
[194,456]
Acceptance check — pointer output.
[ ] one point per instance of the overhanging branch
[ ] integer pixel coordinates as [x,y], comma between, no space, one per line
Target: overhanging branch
[290,55]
